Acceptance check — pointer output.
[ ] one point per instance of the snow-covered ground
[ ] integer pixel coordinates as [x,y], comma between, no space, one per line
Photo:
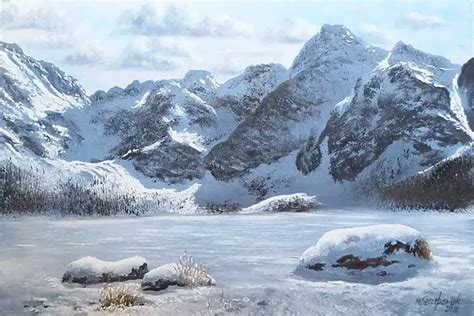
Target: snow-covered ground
[252,258]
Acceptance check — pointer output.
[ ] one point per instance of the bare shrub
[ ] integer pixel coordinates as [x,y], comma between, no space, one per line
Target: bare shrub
[192,273]
[120,296]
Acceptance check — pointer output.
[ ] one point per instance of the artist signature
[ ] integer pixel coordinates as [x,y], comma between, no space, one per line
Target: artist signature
[449,304]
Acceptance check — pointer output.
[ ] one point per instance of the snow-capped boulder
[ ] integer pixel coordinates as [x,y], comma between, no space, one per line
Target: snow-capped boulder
[378,250]
[90,270]
[176,274]
[299,202]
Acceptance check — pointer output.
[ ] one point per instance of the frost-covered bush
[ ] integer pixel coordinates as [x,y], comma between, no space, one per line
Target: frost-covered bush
[192,273]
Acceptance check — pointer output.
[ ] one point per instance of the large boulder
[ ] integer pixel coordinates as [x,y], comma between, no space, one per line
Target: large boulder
[298,202]
[377,250]
[90,270]
[178,274]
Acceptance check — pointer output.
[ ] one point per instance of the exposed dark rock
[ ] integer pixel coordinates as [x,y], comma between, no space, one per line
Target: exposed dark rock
[466,84]
[107,277]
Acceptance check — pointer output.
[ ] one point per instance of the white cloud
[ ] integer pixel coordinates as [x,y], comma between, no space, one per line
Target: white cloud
[20,17]
[85,55]
[417,21]
[174,20]
[291,30]
[373,34]
[228,68]
[153,53]
[35,24]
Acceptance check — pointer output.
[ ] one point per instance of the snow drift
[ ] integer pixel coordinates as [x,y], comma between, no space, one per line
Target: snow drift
[90,270]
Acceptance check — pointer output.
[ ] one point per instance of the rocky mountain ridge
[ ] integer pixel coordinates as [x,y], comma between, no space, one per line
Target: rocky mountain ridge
[345,115]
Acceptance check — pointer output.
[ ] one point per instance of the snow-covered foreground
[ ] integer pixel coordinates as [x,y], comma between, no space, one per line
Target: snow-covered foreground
[252,258]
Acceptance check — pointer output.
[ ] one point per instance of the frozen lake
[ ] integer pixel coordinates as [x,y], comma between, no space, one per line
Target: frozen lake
[252,257]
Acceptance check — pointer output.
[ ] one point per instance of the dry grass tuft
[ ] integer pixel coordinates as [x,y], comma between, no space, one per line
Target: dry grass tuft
[422,249]
[121,296]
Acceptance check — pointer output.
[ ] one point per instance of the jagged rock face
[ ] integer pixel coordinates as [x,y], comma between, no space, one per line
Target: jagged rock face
[466,84]
[395,105]
[164,137]
[244,93]
[322,75]
[134,89]
[34,96]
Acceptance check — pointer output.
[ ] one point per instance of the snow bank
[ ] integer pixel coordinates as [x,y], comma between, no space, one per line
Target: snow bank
[381,249]
[89,270]
[299,202]
[176,274]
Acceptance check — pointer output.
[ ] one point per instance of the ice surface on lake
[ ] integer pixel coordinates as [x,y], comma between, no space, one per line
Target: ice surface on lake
[252,258]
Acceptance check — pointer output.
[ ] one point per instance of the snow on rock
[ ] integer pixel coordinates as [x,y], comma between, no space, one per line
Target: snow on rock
[298,202]
[380,249]
[244,93]
[90,270]
[176,274]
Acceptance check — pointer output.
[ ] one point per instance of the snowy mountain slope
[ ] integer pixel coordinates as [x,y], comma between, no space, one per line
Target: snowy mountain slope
[402,120]
[166,135]
[322,75]
[166,127]
[33,97]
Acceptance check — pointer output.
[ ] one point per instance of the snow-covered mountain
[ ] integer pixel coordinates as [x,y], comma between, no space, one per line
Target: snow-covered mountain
[345,115]
[399,121]
[322,75]
[34,95]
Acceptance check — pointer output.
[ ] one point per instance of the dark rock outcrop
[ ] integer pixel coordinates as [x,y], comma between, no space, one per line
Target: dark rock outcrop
[466,84]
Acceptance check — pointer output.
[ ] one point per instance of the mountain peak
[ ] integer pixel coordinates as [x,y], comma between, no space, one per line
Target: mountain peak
[333,42]
[336,30]
[402,52]
[199,79]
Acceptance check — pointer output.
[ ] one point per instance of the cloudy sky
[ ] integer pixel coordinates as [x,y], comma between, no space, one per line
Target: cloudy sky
[108,43]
